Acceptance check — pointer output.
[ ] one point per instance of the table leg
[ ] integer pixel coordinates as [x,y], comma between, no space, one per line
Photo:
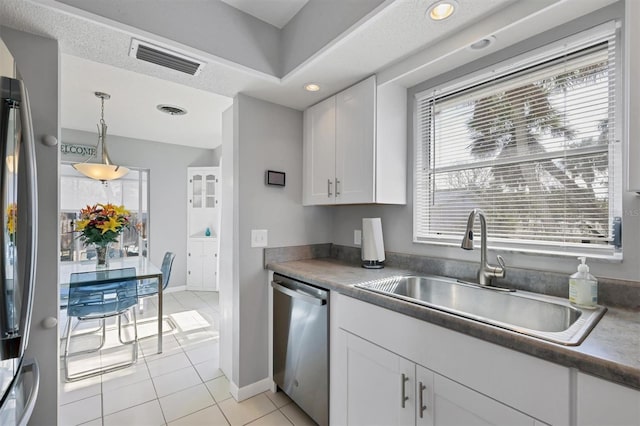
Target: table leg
[160,314]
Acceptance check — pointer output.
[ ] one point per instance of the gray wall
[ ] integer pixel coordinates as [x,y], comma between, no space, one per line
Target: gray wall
[317,24]
[38,64]
[267,136]
[228,259]
[397,221]
[167,164]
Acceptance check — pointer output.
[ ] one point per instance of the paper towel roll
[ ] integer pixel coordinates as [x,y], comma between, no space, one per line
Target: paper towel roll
[372,242]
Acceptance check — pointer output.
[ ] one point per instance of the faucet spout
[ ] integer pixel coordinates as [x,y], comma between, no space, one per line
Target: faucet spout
[486,272]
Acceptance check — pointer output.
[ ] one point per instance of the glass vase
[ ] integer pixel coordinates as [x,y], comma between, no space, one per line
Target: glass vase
[102,255]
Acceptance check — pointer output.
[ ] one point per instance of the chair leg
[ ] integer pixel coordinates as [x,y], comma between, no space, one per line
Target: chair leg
[102,370]
[66,350]
[135,334]
[135,327]
[103,338]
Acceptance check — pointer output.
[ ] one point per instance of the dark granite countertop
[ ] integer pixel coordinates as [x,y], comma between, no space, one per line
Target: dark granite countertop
[611,351]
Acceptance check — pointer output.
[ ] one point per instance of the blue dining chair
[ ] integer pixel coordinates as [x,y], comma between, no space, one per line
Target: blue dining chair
[150,287]
[99,295]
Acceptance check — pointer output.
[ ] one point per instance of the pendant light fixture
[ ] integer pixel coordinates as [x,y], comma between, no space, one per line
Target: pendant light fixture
[105,170]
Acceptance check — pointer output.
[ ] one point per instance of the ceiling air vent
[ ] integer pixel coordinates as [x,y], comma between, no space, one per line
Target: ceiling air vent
[171,109]
[165,57]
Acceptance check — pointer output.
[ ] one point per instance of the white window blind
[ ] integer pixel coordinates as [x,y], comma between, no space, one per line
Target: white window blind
[534,148]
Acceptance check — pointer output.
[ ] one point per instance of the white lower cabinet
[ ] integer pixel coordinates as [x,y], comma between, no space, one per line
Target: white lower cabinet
[600,402]
[383,388]
[379,385]
[391,369]
[202,261]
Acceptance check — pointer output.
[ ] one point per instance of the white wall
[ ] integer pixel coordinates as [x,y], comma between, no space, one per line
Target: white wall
[167,164]
[266,137]
[397,221]
[38,64]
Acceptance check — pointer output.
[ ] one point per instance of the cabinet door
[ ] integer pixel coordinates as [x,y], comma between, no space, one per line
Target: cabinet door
[377,380]
[196,185]
[209,265]
[319,153]
[355,143]
[194,265]
[454,404]
[210,195]
[600,402]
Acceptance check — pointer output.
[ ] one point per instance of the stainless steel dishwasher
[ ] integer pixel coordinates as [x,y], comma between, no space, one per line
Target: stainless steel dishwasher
[301,345]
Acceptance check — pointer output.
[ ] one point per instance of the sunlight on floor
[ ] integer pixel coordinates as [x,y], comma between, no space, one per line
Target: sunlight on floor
[181,386]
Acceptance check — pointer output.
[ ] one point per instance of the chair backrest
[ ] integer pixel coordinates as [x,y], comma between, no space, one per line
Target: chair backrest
[167,264]
[115,253]
[102,293]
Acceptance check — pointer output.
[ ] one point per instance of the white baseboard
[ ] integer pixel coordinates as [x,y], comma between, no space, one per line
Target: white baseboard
[175,289]
[246,392]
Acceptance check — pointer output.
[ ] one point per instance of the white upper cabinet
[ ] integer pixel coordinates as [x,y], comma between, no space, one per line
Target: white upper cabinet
[355,143]
[355,147]
[320,152]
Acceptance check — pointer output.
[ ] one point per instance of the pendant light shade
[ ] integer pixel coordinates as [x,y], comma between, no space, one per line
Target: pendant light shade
[106,170]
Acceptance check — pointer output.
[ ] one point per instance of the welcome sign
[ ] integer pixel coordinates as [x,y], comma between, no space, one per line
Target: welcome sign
[71,151]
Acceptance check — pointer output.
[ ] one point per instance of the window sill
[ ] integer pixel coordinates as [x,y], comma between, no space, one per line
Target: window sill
[615,258]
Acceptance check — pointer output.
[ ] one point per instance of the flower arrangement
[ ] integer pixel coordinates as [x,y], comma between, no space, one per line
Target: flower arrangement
[101,224]
[12,220]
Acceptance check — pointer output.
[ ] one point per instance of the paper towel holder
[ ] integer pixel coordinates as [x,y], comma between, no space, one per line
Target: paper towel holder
[372,246]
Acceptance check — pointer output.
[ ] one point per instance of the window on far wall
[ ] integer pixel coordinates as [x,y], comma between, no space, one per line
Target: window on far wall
[534,144]
[77,191]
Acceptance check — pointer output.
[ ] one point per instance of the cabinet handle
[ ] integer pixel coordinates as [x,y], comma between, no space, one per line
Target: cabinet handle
[337,190]
[422,406]
[404,379]
[329,183]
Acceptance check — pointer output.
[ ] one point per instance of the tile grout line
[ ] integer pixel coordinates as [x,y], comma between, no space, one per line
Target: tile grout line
[201,304]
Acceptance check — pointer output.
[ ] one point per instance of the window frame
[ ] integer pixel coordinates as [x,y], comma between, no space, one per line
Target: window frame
[143,239]
[578,41]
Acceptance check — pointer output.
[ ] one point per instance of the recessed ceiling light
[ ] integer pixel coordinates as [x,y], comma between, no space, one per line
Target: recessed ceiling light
[311,87]
[171,109]
[441,9]
[482,43]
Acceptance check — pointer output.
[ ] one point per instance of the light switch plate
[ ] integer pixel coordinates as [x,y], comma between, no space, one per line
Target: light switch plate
[357,237]
[259,237]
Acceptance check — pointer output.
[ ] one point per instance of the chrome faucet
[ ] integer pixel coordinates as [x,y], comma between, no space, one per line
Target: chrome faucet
[486,271]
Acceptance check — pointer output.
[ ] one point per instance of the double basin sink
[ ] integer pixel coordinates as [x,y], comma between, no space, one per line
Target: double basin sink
[545,317]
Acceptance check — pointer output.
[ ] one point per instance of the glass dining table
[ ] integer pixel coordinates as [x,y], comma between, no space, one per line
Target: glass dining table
[144,270]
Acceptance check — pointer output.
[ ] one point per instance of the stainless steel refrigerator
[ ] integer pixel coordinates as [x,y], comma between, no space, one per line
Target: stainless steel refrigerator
[19,377]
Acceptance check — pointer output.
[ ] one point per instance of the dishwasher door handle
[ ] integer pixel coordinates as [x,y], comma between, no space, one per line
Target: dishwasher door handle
[298,294]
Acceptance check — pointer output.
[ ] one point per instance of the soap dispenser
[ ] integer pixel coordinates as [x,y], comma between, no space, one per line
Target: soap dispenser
[583,287]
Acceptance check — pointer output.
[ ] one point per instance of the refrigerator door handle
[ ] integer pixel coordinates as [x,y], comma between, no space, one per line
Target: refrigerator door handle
[32,205]
[30,365]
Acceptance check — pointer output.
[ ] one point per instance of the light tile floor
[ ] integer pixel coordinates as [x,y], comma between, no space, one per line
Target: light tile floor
[182,386]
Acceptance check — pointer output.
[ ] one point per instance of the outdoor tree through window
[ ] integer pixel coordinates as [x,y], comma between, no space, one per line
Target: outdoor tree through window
[536,149]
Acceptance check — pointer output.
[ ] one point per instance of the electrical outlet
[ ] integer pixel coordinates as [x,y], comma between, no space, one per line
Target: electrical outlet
[259,237]
[357,237]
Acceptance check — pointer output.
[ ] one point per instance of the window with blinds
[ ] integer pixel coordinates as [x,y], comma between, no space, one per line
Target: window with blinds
[534,148]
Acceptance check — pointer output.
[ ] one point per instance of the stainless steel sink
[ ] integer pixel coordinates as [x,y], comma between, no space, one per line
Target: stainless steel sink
[544,317]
